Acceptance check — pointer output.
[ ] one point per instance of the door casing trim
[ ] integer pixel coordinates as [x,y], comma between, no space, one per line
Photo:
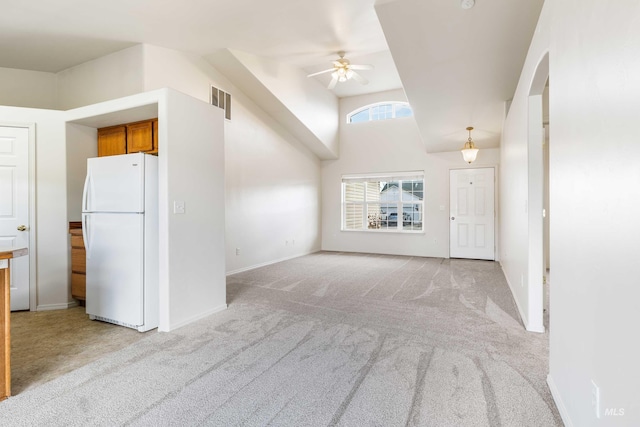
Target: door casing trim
[496,205]
[33,287]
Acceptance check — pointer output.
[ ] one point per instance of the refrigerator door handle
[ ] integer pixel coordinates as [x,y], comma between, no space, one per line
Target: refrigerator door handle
[85,234]
[85,194]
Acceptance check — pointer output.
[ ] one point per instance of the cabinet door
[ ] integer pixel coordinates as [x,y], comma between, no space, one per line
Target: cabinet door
[78,286]
[140,137]
[76,241]
[78,260]
[155,136]
[112,141]
[78,265]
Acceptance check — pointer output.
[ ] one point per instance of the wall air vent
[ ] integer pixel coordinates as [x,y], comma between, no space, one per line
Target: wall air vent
[221,99]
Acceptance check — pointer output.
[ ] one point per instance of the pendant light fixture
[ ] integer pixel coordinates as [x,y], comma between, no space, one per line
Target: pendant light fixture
[469,151]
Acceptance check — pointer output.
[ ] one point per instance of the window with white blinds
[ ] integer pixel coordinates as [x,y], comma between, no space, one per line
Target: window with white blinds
[383,202]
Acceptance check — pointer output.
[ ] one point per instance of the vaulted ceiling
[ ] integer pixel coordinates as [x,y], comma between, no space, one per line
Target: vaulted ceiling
[457,66]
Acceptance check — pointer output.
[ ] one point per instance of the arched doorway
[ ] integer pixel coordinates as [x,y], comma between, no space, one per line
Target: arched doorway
[536,191]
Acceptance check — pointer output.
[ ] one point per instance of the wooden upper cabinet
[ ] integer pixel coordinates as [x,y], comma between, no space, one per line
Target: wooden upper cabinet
[140,137]
[129,138]
[155,136]
[112,141]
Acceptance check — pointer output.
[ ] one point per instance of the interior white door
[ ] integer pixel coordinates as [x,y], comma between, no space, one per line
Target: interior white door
[14,207]
[471,213]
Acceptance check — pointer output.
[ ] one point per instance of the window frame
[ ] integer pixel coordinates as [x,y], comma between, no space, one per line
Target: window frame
[364,211]
[370,107]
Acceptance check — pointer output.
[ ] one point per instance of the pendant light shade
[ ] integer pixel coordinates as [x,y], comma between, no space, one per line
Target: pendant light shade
[469,151]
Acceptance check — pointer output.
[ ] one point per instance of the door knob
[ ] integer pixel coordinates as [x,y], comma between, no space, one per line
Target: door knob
[22,228]
[452,218]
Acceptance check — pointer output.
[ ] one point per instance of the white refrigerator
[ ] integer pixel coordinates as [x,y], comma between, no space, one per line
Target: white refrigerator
[120,230]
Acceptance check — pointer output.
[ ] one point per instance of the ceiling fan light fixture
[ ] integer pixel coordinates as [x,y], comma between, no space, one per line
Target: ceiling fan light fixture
[339,76]
[343,70]
[469,151]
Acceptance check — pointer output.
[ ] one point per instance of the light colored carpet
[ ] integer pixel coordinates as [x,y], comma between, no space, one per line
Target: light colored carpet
[326,339]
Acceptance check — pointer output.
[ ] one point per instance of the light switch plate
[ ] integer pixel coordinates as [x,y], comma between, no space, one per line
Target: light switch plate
[178,207]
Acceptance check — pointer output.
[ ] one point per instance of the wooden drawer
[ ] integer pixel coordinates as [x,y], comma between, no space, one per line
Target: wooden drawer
[77,242]
[78,285]
[78,260]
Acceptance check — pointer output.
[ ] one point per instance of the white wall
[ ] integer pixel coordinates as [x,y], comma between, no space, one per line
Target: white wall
[181,71]
[53,290]
[191,170]
[112,76]
[263,163]
[24,88]
[273,192]
[594,194]
[518,213]
[390,146]
[82,143]
[191,163]
[314,107]
[272,181]
[109,77]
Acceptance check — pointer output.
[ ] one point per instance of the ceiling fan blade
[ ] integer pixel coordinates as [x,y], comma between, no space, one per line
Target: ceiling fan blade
[332,83]
[357,77]
[361,67]
[321,72]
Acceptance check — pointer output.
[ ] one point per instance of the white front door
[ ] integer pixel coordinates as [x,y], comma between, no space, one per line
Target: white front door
[471,213]
[14,207]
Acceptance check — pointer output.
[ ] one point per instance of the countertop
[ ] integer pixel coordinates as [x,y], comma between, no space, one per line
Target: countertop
[8,253]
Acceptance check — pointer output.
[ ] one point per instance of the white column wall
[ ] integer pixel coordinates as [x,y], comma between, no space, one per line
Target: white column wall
[514,183]
[191,163]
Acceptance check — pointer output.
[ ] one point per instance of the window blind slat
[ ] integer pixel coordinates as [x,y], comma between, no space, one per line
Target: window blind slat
[391,176]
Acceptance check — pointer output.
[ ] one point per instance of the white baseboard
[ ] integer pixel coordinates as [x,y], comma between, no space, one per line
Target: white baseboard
[523,318]
[64,306]
[536,329]
[197,317]
[264,264]
[559,403]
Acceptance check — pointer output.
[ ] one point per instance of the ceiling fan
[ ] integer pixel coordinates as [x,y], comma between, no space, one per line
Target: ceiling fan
[343,70]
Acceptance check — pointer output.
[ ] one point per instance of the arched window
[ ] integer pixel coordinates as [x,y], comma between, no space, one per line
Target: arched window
[380,111]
